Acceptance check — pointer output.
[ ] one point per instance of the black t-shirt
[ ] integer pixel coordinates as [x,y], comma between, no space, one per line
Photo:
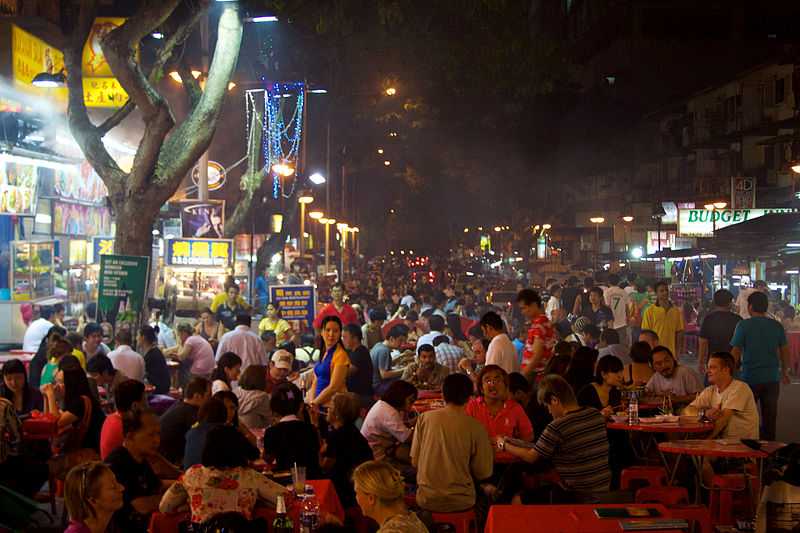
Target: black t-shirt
[361,382]
[139,481]
[92,438]
[174,424]
[568,295]
[588,397]
[349,448]
[718,328]
[293,441]
[227,316]
[155,370]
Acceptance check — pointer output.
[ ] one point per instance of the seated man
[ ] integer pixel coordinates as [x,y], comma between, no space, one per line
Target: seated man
[381,354]
[450,449]
[103,374]
[426,373]
[681,382]
[180,417]
[575,441]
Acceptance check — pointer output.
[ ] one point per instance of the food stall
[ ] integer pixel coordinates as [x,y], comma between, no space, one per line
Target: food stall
[194,272]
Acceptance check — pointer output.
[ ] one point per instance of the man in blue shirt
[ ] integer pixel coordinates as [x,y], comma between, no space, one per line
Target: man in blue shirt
[759,346]
[262,291]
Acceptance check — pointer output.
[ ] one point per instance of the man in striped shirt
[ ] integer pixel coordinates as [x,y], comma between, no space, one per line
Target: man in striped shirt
[575,441]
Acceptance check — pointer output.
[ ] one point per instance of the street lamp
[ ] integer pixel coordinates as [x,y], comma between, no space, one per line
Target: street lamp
[796,167]
[303,198]
[546,227]
[316,178]
[391,91]
[327,222]
[283,169]
[596,221]
[356,231]
[342,227]
[714,207]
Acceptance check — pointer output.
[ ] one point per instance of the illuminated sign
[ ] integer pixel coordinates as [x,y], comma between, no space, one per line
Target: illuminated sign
[216,176]
[93,60]
[101,246]
[297,302]
[702,222]
[103,92]
[199,252]
[31,56]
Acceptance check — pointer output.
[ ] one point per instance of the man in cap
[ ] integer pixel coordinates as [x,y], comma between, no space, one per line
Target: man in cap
[280,367]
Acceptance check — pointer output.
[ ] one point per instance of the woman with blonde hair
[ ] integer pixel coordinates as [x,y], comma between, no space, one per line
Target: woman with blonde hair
[379,492]
[91,496]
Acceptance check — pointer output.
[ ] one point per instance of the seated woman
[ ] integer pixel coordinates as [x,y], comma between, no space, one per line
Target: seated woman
[91,495]
[254,402]
[228,368]
[345,447]
[131,464]
[57,348]
[223,482]
[291,440]
[71,389]
[384,428]
[380,491]
[496,410]
[128,394]
[212,413]
[15,388]
[639,372]
[604,394]
[208,327]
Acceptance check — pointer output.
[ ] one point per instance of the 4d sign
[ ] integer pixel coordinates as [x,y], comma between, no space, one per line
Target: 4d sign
[702,222]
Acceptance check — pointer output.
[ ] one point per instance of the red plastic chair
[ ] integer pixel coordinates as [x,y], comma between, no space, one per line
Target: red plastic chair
[693,514]
[166,522]
[663,495]
[653,476]
[720,503]
[463,522]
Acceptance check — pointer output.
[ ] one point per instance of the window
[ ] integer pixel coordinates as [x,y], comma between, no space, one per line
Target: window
[780,90]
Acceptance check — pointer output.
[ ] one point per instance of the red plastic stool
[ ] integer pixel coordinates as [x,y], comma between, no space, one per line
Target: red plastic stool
[653,476]
[463,522]
[720,502]
[697,514]
[663,495]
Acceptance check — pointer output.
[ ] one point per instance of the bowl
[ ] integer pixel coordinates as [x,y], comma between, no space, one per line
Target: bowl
[620,419]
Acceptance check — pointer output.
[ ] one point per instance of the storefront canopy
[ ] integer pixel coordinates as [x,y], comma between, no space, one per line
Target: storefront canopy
[767,237]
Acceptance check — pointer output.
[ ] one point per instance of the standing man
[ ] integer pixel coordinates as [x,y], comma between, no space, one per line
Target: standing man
[360,373]
[759,345]
[541,335]
[569,294]
[228,309]
[617,299]
[744,295]
[717,329]
[338,308]
[501,350]
[262,291]
[243,342]
[38,329]
[665,319]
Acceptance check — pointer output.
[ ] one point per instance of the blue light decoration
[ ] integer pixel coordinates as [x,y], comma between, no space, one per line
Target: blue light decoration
[283,137]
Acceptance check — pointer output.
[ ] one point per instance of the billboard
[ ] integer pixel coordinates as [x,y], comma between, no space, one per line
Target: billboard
[702,222]
[297,302]
[199,252]
[203,220]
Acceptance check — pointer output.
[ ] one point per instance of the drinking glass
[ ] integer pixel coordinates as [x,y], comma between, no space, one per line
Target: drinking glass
[299,479]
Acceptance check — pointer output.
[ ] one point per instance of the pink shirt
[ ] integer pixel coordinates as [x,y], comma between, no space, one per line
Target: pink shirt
[510,420]
[244,343]
[111,434]
[201,355]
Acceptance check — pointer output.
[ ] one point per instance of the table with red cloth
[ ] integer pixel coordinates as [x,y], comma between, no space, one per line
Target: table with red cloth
[25,357]
[793,338]
[324,490]
[560,518]
[649,431]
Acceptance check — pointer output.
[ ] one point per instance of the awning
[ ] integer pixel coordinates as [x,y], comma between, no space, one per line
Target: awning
[763,237]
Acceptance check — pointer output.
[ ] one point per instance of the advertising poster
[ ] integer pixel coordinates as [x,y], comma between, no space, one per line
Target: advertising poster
[203,220]
[74,219]
[199,252]
[80,184]
[18,179]
[297,302]
[122,285]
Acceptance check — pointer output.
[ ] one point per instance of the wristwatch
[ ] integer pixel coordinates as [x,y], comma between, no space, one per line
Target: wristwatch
[501,444]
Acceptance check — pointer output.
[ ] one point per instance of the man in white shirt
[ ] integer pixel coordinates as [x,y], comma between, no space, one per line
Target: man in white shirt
[38,329]
[243,342]
[436,326]
[124,358]
[617,299]
[408,300]
[502,351]
[680,381]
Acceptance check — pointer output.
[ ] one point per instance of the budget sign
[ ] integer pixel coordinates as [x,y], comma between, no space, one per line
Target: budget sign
[702,222]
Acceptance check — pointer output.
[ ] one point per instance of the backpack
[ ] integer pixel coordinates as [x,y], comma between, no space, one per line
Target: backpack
[10,430]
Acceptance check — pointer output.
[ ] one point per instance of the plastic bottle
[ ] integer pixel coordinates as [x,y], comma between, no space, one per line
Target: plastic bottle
[282,522]
[633,409]
[309,512]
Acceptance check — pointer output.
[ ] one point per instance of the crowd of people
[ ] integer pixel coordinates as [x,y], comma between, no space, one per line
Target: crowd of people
[526,388]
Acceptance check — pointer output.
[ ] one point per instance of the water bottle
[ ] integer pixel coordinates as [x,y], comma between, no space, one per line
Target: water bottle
[633,409]
[309,512]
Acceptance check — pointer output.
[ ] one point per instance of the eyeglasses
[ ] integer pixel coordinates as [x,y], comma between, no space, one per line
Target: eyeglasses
[493,381]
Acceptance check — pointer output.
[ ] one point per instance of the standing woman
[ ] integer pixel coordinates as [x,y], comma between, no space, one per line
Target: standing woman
[330,374]
[92,495]
[155,366]
[228,369]
[15,388]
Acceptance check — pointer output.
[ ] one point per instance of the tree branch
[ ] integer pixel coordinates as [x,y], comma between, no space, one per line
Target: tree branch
[178,28]
[190,85]
[114,120]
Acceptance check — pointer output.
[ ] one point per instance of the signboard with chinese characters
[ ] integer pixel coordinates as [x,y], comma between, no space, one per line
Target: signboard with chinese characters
[297,302]
[703,222]
[101,246]
[31,56]
[199,252]
[103,92]
[122,284]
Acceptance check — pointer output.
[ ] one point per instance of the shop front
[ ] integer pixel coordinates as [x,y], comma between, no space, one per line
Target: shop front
[195,271]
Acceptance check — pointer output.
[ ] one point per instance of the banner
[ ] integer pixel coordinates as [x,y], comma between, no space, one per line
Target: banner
[75,219]
[199,252]
[297,302]
[18,179]
[205,220]
[122,284]
[702,222]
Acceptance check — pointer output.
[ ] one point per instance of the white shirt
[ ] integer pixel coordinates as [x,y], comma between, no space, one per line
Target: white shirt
[502,353]
[129,362]
[383,426]
[166,337]
[35,333]
[684,381]
[428,338]
[617,299]
[738,397]
[741,302]
[408,301]
[553,305]
[244,343]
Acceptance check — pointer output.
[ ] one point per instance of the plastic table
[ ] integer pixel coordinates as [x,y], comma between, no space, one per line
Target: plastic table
[650,430]
[559,518]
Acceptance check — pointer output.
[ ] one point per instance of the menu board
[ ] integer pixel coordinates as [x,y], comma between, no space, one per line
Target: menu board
[18,179]
[122,284]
